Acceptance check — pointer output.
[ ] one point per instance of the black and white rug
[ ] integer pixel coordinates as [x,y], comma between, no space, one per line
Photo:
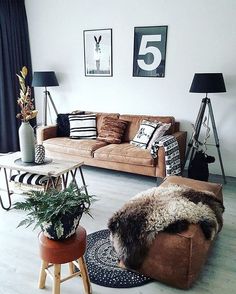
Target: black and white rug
[102,264]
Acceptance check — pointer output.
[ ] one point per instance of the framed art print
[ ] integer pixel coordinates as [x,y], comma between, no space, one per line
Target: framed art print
[98,52]
[149,51]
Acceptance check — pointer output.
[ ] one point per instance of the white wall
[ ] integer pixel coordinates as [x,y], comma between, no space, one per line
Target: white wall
[201,38]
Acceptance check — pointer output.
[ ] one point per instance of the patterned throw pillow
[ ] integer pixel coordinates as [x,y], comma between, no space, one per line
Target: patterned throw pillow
[63,124]
[144,134]
[83,126]
[159,132]
[112,130]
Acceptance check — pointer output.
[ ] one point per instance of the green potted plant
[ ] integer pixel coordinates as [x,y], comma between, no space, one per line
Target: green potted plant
[57,212]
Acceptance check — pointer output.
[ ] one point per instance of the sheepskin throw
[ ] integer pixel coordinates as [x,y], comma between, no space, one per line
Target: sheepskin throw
[171,208]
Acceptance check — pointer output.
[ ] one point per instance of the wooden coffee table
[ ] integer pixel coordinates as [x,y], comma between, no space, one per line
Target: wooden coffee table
[54,169]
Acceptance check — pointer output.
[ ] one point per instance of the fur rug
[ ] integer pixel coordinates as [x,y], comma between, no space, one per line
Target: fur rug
[172,208]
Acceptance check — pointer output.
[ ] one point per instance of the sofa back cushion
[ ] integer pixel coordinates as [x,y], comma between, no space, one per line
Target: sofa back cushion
[134,122]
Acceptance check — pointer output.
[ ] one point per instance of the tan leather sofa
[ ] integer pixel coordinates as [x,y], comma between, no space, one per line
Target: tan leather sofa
[123,157]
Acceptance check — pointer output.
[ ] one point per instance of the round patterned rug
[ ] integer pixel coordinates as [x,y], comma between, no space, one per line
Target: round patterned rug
[102,264]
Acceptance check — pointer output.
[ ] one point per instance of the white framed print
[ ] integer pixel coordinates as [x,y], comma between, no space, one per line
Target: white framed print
[98,52]
[149,57]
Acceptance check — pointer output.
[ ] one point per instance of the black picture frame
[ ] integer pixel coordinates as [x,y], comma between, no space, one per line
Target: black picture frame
[98,53]
[149,57]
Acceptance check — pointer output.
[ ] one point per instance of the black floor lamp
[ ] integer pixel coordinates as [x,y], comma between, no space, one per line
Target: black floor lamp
[45,79]
[206,83]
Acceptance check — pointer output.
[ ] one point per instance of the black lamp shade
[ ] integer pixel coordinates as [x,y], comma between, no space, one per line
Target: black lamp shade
[44,79]
[208,83]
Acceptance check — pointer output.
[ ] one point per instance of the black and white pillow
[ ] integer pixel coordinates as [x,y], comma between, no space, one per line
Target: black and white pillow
[159,132]
[144,134]
[63,124]
[83,126]
[30,179]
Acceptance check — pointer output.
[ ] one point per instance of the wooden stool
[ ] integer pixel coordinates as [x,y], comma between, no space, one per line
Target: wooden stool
[59,252]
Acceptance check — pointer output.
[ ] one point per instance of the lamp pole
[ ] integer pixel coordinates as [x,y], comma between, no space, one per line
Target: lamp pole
[45,107]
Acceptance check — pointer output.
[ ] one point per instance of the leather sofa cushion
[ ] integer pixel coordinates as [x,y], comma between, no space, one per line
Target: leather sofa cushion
[74,147]
[125,153]
[135,120]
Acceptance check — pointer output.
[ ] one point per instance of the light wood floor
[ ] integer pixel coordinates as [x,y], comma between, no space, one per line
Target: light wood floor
[19,259]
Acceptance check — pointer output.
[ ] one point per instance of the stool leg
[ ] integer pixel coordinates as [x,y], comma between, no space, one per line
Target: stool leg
[56,279]
[71,268]
[43,274]
[84,275]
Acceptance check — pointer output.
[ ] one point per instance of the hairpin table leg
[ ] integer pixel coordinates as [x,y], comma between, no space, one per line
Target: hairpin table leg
[8,192]
[83,181]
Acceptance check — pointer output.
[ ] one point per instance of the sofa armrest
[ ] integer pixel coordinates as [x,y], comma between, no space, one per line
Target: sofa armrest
[181,138]
[46,132]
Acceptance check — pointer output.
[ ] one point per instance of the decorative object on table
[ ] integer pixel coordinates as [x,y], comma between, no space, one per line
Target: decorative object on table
[39,154]
[103,264]
[149,51]
[206,83]
[26,132]
[45,79]
[57,212]
[98,52]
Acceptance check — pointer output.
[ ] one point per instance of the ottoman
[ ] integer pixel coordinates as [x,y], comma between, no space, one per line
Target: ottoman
[169,257]
[177,259]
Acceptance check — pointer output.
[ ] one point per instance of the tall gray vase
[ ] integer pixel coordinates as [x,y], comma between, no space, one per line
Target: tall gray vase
[26,138]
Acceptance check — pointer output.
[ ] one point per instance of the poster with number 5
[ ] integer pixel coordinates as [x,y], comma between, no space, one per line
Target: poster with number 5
[149,51]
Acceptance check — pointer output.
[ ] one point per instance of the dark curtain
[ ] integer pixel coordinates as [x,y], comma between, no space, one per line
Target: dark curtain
[14,54]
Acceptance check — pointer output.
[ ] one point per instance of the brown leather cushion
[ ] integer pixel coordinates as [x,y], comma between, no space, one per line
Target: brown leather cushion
[112,130]
[125,153]
[59,252]
[69,146]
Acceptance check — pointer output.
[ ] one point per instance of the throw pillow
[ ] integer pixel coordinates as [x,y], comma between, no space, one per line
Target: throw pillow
[63,124]
[83,126]
[159,132]
[112,130]
[144,134]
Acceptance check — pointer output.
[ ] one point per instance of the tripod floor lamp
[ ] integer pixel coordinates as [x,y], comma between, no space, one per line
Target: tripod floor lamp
[206,83]
[45,79]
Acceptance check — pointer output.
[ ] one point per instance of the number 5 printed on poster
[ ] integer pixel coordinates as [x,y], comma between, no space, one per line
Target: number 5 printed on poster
[149,51]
